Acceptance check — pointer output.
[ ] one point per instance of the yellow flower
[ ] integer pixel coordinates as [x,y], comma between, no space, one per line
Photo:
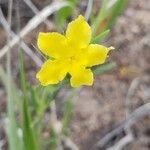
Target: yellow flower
[72,53]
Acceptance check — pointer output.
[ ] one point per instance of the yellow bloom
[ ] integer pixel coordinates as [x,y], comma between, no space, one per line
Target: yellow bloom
[72,53]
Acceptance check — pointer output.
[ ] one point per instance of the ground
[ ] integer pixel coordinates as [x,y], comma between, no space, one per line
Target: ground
[101,108]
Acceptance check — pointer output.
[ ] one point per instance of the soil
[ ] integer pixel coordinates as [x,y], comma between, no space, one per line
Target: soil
[102,108]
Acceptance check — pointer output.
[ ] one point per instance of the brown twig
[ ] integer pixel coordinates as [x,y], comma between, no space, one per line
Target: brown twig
[36,10]
[24,46]
[132,118]
[123,142]
[33,23]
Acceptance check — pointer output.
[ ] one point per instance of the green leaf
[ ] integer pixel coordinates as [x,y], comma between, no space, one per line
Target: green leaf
[107,15]
[117,8]
[67,114]
[14,140]
[52,143]
[30,143]
[28,134]
[63,14]
[100,37]
[104,68]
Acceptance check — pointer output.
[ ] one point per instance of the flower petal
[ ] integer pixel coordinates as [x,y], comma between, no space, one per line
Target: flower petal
[81,76]
[52,72]
[78,33]
[52,44]
[95,54]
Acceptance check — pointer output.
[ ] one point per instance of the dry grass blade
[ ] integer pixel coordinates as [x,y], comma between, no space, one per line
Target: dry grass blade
[36,10]
[132,118]
[130,94]
[123,142]
[88,10]
[33,23]
[24,46]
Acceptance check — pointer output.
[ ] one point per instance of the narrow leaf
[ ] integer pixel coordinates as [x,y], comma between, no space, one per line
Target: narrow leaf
[104,68]
[100,37]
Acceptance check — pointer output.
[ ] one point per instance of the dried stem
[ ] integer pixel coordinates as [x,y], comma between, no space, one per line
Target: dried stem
[33,23]
[36,10]
[24,46]
[132,118]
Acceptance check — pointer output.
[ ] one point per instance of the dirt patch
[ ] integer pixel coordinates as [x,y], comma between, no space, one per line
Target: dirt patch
[101,108]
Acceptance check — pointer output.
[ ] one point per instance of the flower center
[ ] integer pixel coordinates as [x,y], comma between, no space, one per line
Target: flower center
[72,59]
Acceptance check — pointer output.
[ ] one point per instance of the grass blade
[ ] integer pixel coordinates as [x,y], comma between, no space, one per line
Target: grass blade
[100,37]
[28,135]
[67,114]
[104,68]
[62,14]
[11,125]
[108,15]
